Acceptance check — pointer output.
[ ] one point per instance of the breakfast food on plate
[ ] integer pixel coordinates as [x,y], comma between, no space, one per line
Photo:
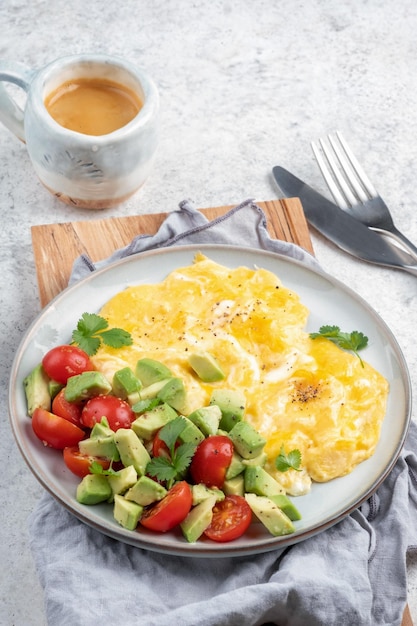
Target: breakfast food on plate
[301,393]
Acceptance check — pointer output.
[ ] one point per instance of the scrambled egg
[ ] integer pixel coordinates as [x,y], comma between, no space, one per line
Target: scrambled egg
[301,393]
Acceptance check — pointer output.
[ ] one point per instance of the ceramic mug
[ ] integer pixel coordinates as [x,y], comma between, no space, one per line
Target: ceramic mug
[83,170]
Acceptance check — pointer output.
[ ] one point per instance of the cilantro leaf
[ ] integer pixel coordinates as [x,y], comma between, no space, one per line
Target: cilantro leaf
[284,461]
[92,330]
[353,341]
[174,468]
[146,405]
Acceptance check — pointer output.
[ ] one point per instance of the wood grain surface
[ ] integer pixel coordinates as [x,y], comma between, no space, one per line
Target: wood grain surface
[56,246]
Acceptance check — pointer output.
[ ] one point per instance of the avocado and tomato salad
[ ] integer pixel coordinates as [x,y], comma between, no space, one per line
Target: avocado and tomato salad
[132,446]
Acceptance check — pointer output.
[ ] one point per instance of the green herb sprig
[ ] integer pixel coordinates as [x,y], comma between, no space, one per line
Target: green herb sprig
[284,461]
[169,470]
[353,341]
[93,330]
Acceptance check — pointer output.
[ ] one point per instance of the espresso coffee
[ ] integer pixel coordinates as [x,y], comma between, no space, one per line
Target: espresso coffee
[93,106]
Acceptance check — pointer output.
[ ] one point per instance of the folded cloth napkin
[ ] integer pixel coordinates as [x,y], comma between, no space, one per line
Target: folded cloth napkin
[352,574]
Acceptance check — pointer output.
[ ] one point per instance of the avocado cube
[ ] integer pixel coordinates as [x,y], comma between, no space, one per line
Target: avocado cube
[86,385]
[206,367]
[125,383]
[232,405]
[207,419]
[174,394]
[287,506]
[190,433]
[201,492]
[93,488]
[146,393]
[261,459]
[246,440]
[270,515]
[236,466]
[131,450]
[54,388]
[146,491]
[102,429]
[126,513]
[147,424]
[234,486]
[259,482]
[122,480]
[103,446]
[150,371]
[37,392]
[198,519]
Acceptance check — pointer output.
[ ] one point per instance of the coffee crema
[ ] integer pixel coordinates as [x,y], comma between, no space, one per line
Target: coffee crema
[93,106]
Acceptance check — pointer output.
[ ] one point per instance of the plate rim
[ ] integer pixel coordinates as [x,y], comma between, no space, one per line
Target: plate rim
[196,550]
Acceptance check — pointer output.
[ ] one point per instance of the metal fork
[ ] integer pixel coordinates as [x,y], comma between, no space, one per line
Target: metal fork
[353,191]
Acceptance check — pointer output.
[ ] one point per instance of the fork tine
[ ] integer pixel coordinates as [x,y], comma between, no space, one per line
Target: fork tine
[369,187]
[334,189]
[349,175]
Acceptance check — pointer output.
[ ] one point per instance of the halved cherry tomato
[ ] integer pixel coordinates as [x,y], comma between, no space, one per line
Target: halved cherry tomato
[64,361]
[118,412]
[55,431]
[169,511]
[68,410]
[211,460]
[231,518]
[79,464]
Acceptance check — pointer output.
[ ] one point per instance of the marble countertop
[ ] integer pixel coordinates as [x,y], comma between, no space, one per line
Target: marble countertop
[243,86]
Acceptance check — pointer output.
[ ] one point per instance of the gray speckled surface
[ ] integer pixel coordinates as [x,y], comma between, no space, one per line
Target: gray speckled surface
[244,86]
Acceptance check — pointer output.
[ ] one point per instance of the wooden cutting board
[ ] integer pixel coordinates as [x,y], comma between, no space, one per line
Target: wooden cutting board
[56,246]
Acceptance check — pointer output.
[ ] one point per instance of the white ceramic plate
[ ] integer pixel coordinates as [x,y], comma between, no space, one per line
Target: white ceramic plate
[328,300]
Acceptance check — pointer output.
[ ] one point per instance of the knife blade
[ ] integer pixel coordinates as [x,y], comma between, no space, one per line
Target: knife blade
[339,227]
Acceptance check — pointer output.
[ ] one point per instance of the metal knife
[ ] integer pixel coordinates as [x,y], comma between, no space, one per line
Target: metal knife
[341,228]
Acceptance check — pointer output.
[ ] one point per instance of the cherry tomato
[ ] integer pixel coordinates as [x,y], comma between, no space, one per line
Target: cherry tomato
[55,431]
[64,361]
[68,410]
[169,511]
[231,518]
[211,460]
[118,412]
[79,464]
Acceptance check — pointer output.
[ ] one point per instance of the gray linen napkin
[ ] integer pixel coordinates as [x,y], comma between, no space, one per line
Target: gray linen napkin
[352,574]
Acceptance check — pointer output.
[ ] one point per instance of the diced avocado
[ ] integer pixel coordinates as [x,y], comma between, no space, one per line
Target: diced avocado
[146,491]
[174,394]
[206,367]
[147,424]
[102,429]
[258,481]
[207,419]
[126,513]
[131,450]
[150,371]
[201,492]
[104,447]
[198,519]
[232,405]
[261,459]
[146,393]
[125,383]
[86,385]
[122,480]
[287,506]
[54,388]
[236,466]
[270,515]
[190,433]
[93,488]
[246,440]
[36,386]
[234,486]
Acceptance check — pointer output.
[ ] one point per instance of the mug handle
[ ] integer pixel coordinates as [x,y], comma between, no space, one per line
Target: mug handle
[11,115]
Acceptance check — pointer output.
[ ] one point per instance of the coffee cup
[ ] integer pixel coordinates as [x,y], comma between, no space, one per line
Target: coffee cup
[90,125]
